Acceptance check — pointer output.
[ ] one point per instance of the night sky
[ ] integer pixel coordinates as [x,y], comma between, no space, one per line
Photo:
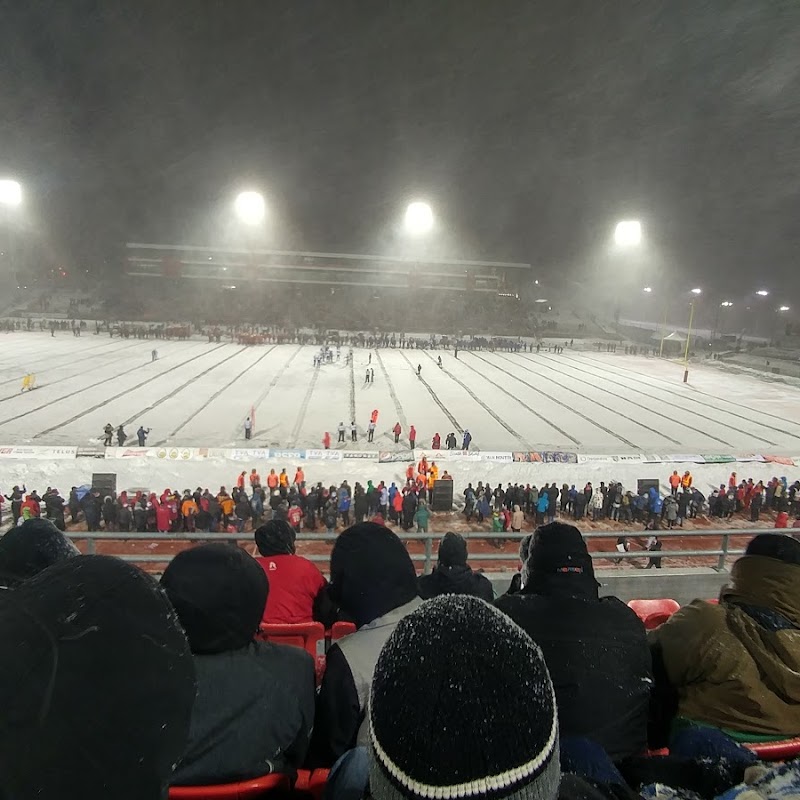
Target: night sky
[531,127]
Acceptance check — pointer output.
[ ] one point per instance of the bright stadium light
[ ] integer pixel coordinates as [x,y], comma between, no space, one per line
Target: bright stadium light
[697,291]
[250,207]
[726,304]
[648,289]
[784,308]
[418,218]
[628,233]
[762,293]
[10,193]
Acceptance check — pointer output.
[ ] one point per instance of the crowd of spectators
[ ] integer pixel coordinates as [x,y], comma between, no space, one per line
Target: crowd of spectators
[548,691]
[311,507]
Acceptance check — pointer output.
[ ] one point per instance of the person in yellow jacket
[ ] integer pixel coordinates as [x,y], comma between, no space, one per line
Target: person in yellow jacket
[686,480]
[434,471]
[284,479]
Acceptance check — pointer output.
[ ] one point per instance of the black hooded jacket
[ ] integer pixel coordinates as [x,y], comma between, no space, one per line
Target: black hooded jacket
[452,574]
[455,579]
[255,701]
[595,648]
[96,686]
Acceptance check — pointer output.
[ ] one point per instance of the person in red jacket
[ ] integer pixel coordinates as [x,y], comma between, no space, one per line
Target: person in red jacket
[326,440]
[436,443]
[410,472]
[397,430]
[296,587]
[374,416]
[32,504]
[163,521]
[412,436]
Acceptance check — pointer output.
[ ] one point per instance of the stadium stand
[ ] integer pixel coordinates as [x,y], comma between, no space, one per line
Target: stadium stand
[654,612]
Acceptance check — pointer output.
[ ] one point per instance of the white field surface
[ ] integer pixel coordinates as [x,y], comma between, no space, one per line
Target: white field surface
[198,394]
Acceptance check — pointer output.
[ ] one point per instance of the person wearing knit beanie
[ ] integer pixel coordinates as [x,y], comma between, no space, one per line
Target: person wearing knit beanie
[452,575]
[29,548]
[462,706]
[735,665]
[596,649]
[96,684]
[374,583]
[254,708]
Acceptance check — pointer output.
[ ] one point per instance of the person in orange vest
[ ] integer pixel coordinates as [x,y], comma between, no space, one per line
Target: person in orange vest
[422,467]
[732,481]
[226,507]
[431,481]
[374,416]
[189,511]
[410,472]
[255,479]
[240,480]
[397,430]
[299,476]
[326,441]
[675,481]
[686,480]
[272,480]
[283,478]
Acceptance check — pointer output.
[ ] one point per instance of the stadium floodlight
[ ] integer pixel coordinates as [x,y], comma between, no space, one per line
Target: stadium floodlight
[419,218]
[648,289]
[10,193]
[250,207]
[628,233]
[697,291]
[762,293]
[784,308]
[726,304]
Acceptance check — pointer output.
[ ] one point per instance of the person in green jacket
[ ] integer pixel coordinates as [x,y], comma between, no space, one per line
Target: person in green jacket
[421,517]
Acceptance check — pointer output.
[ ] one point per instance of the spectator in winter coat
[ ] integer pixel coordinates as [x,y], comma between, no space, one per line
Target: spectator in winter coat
[452,574]
[431,694]
[103,612]
[374,583]
[422,517]
[254,709]
[517,519]
[736,665]
[397,430]
[541,506]
[596,649]
[29,548]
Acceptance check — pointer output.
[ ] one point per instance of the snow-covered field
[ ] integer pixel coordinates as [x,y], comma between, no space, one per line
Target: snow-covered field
[199,394]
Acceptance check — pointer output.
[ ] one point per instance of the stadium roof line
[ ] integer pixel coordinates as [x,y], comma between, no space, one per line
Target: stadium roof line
[303,254]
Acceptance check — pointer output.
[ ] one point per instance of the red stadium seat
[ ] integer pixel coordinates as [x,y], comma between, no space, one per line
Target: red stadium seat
[310,784]
[654,612]
[257,787]
[342,629]
[784,750]
[308,635]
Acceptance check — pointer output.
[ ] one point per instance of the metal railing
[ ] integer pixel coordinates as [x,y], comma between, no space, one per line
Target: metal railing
[721,553]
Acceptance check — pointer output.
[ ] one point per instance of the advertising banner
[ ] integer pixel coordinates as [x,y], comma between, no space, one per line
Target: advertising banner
[718,459]
[545,457]
[386,457]
[366,455]
[622,458]
[39,453]
[325,455]
[785,460]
